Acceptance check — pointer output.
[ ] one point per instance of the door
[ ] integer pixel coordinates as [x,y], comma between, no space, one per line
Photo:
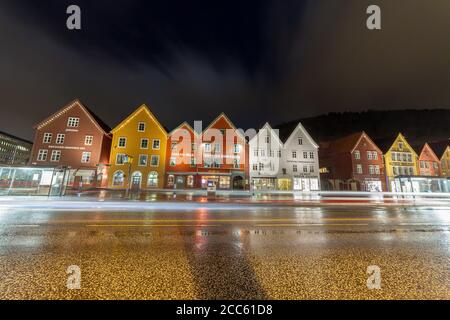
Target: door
[136,181]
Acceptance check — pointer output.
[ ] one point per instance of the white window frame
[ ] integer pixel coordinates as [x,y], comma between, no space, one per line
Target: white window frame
[141,156]
[359,169]
[73,122]
[122,139]
[42,155]
[60,136]
[47,138]
[151,161]
[89,140]
[159,144]
[117,157]
[56,153]
[139,126]
[86,157]
[142,140]
[357,155]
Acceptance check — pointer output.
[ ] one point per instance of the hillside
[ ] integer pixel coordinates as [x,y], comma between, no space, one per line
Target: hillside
[419,126]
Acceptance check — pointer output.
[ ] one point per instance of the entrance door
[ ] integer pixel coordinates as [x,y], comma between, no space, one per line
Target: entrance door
[238,183]
[180,182]
[136,181]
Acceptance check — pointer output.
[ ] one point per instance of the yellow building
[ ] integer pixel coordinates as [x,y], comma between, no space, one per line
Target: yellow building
[400,159]
[442,151]
[138,152]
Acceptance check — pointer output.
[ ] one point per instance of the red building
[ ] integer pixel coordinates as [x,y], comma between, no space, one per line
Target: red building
[74,139]
[352,163]
[216,156]
[429,163]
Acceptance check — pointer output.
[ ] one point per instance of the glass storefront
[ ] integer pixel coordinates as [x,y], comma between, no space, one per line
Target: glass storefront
[284,184]
[306,184]
[264,184]
[421,184]
[221,182]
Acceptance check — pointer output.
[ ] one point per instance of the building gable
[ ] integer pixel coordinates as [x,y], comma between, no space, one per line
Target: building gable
[365,137]
[304,133]
[143,109]
[75,104]
[406,146]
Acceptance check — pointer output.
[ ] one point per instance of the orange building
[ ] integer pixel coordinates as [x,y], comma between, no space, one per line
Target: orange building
[216,156]
[429,163]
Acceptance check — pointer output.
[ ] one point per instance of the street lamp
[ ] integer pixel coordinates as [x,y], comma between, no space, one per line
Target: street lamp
[129,160]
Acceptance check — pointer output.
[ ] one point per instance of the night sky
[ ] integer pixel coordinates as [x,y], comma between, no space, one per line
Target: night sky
[256,60]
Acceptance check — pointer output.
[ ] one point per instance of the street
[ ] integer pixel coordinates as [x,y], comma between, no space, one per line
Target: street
[194,250]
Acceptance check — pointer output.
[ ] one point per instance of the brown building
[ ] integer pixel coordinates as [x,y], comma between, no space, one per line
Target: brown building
[352,163]
[14,151]
[75,139]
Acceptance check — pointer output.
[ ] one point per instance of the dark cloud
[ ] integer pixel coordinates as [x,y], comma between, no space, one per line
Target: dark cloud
[257,60]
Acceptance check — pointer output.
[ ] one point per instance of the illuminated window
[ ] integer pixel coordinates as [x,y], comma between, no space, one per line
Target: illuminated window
[152,181]
[86,157]
[156,144]
[359,169]
[118,178]
[357,155]
[154,161]
[120,159]
[143,159]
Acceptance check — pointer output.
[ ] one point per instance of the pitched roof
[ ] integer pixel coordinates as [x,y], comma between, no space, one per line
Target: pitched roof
[137,111]
[439,147]
[94,118]
[342,145]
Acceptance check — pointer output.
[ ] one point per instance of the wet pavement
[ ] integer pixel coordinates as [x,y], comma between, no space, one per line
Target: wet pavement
[216,251]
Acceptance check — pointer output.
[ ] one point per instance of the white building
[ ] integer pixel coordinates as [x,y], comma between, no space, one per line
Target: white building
[286,161]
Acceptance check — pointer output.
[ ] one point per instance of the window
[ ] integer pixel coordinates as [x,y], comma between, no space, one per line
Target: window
[237,164]
[294,154]
[143,159]
[120,159]
[305,155]
[47,138]
[305,169]
[88,140]
[435,166]
[255,152]
[394,156]
[207,147]
[170,181]
[154,161]
[207,162]
[217,147]
[237,148]
[255,167]
[141,127]
[190,181]
[411,171]
[369,155]
[271,153]
[295,168]
[409,157]
[193,162]
[122,142]
[300,141]
[267,139]
[311,155]
[263,152]
[42,155]
[396,171]
[144,143]
[56,156]
[400,145]
[359,169]
[371,169]
[173,161]
[312,169]
[375,155]
[118,178]
[279,153]
[216,163]
[73,122]
[156,144]
[152,180]
[284,170]
[261,167]
[86,157]
[377,170]
[60,138]
[357,155]
[422,164]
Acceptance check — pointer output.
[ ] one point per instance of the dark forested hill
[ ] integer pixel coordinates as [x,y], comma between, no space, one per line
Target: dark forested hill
[419,126]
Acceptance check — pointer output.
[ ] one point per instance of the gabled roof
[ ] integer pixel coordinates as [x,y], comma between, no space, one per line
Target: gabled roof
[305,132]
[184,124]
[142,108]
[104,128]
[385,144]
[427,146]
[343,145]
[439,147]
[224,116]
[268,127]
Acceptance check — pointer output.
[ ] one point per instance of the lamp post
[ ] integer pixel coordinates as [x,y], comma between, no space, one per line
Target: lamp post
[129,161]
